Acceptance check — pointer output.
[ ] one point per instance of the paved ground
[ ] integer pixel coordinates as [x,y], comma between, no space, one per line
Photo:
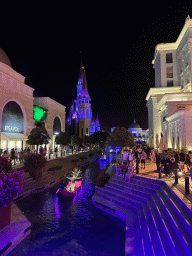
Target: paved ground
[151,172]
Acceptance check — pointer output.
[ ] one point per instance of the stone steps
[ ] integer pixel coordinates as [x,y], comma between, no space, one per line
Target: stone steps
[164,229]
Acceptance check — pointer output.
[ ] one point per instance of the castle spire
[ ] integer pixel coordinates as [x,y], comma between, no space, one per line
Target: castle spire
[82,75]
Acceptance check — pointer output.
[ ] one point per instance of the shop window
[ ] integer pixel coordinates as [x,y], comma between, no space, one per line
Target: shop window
[12,118]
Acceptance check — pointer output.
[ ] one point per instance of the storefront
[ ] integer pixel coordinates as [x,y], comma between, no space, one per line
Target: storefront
[17,110]
[12,127]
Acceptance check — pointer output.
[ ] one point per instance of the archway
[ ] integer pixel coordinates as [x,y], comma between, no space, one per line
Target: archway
[13,119]
[56,126]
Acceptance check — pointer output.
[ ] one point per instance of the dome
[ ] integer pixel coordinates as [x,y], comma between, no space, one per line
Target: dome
[134,125]
[4,58]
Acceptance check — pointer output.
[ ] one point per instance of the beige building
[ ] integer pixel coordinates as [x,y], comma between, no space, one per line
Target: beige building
[16,109]
[55,120]
[170,102]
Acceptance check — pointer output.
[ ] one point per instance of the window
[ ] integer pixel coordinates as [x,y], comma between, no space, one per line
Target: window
[81,131]
[169,58]
[87,131]
[169,72]
[170,83]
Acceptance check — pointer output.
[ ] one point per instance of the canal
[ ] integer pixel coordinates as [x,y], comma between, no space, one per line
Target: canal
[72,228]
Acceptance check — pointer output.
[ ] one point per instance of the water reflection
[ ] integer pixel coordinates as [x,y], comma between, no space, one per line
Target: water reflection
[74,227]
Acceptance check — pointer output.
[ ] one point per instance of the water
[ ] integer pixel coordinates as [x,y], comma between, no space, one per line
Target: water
[72,228]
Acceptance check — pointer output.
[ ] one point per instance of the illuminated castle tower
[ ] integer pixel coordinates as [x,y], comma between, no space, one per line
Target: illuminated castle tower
[80,120]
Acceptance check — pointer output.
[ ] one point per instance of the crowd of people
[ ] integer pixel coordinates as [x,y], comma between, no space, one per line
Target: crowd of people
[129,160]
[171,161]
[17,155]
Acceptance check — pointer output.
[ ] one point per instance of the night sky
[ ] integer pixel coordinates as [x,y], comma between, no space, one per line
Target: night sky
[117,41]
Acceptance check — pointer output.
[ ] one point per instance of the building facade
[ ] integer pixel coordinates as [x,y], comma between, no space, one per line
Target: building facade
[16,109]
[55,118]
[80,119]
[170,102]
[141,136]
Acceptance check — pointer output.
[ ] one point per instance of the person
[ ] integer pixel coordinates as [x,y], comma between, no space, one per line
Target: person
[16,155]
[130,156]
[13,155]
[152,155]
[44,150]
[21,156]
[124,169]
[167,163]
[173,164]
[124,157]
[143,156]
[158,160]
[41,150]
[137,158]
[187,160]
[130,171]
[118,168]
[189,168]
[5,154]
[176,156]
[56,150]
[182,160]
[28,150]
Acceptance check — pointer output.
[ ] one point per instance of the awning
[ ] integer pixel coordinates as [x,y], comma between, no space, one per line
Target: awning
[13,136]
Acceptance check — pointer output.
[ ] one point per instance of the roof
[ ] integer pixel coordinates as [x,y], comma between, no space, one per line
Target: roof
[4,58]
[134,125]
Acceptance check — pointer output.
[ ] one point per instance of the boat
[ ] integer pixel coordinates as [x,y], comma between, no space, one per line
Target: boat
[72,188]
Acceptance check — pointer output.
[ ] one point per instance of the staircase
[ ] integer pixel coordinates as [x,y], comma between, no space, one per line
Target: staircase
[158,222]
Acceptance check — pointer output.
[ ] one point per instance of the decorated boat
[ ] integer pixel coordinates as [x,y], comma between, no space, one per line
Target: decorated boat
[103,158]
[72,187]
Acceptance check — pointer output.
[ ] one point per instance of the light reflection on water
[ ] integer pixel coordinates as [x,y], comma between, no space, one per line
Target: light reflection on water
[71,228]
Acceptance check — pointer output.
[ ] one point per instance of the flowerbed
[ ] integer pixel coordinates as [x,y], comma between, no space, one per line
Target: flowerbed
[10,185]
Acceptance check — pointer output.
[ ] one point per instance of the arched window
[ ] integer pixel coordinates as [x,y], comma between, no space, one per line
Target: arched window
[12,118]
[56,126]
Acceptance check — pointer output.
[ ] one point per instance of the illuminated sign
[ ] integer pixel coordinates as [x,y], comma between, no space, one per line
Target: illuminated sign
[9,128]
[38,113]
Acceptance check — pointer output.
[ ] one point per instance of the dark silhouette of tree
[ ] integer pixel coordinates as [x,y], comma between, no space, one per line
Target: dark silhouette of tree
[121,137]
[64,138]
[38,136]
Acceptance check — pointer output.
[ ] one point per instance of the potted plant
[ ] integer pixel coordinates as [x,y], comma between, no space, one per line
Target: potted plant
[5,164]
[33,164]
[9,188]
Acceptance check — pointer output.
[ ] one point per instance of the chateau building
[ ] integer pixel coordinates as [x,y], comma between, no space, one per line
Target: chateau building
[170,102]
[17,109]
[80,120]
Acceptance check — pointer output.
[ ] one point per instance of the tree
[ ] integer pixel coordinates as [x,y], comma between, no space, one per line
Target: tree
[38,136]
[88,140]
[64,138]
[121,137]
[76,140]
[100,136]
